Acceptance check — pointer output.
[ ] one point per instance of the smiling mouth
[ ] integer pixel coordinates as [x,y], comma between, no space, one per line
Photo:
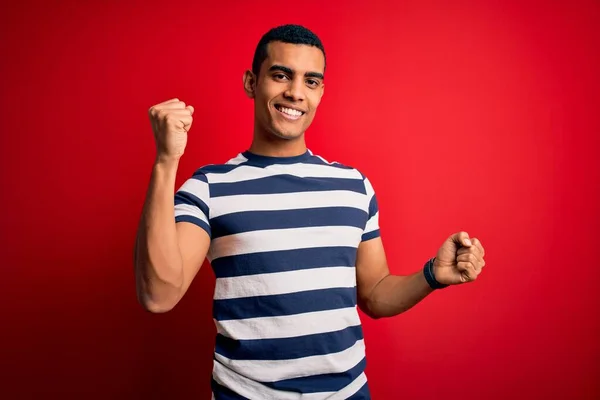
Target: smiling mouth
[289,113]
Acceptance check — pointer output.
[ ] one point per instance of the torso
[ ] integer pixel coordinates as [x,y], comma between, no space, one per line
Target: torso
[284,236]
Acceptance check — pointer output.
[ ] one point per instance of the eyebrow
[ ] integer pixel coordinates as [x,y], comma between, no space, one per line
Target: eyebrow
[291,72]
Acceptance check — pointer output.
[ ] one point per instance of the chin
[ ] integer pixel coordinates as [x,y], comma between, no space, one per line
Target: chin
[286,134]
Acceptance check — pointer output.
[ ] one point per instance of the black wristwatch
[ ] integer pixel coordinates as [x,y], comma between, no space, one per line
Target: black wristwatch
[430,277]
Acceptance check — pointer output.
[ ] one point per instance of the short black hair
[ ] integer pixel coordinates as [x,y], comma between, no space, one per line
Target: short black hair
[290,33]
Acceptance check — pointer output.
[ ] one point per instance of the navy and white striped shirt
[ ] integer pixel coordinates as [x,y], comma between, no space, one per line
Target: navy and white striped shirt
[284,235]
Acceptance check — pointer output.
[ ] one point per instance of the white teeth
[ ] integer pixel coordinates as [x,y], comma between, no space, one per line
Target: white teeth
[289,111]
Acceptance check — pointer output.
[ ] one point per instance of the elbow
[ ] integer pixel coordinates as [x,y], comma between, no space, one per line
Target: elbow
[154,295]
[157,300]
[368,310]
[155,307]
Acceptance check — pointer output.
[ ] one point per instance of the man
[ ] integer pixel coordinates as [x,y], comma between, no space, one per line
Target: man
[293,240]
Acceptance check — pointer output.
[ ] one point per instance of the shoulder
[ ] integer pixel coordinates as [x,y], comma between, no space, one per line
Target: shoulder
[318,159]
[205,171]
[352,172]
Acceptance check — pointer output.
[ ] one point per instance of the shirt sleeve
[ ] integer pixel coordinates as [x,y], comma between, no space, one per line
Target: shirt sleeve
[192,202]
[371,230]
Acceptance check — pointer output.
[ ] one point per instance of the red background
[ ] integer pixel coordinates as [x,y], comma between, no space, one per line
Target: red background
[479,116]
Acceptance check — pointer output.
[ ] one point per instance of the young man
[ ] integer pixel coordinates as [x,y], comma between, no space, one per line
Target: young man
[293,241]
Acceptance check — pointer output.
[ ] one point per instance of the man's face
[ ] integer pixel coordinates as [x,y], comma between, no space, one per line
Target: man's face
[288,89]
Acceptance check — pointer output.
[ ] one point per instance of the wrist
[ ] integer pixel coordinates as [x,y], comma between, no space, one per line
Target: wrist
[164,173]
[428,271]
[166,163]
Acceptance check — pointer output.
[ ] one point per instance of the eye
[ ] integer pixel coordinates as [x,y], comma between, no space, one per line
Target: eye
[280,76]
[312,82]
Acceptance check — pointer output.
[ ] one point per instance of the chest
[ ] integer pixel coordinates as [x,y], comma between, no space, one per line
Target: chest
[290,213]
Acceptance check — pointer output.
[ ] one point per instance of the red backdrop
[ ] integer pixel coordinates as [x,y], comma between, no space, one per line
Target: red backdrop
[479,116]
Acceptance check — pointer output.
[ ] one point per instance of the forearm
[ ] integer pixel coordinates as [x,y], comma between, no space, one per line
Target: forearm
[395,294]
[158,260]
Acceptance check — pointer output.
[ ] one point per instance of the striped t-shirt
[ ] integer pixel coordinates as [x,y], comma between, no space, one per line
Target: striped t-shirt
[284,236]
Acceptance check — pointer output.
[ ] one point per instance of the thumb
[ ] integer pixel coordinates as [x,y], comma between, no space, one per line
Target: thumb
[461,238]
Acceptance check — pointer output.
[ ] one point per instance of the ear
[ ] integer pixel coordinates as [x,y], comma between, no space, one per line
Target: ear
[249,83]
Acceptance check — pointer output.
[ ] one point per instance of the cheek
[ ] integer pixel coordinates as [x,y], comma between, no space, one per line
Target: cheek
[261,103]
[266,92]
[316,97]
[315,102]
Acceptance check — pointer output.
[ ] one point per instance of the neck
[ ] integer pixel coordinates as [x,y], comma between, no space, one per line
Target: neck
[273,146]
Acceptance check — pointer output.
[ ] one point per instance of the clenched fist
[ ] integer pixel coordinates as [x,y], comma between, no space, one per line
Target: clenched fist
[171,120]
[460,259]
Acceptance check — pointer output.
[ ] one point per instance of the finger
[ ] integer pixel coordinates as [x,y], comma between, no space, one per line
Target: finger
[160,111]
[173,100]
[191,109]
[463,266]
[469,258]
[175,105]
[184,120]
[187,127]
[166,116]
[178,120]
[184,112]
[477,243]
[465,277]
[152,118]
[461,238]
[472,250]
[182,124]
[467,272]
[476,262]
[155,108]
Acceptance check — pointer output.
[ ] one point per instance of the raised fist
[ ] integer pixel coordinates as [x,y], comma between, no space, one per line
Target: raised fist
[171,120]
[460,259]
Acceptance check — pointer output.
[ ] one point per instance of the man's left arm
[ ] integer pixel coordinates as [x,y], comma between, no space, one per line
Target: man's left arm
[381,294]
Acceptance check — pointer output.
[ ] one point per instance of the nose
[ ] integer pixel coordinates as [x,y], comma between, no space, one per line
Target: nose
[295,90]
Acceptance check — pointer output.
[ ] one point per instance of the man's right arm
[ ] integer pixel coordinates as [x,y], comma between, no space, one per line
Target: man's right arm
[168,255]
[169,251]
